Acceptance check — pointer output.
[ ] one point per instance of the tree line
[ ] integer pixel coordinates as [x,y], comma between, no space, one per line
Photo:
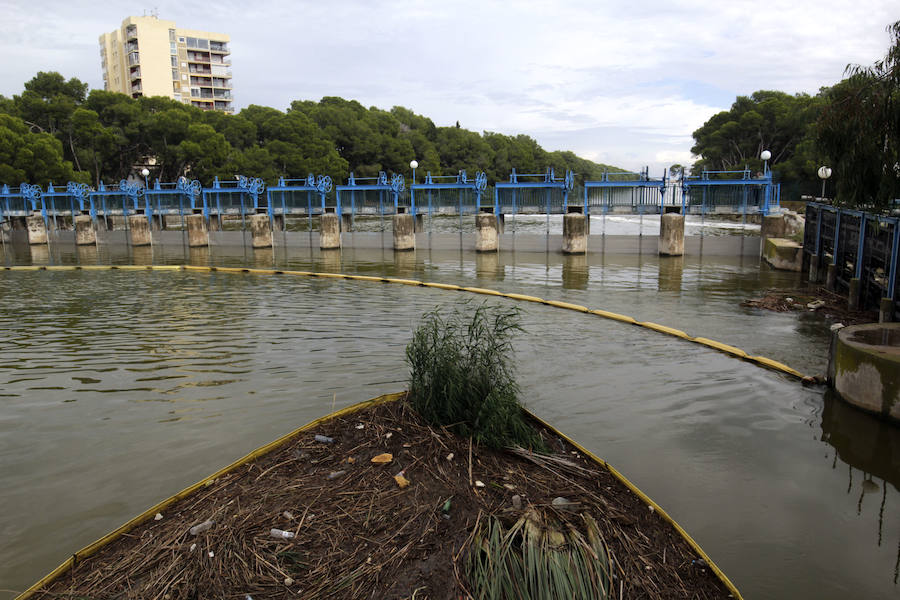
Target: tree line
[57,130]
[852,127]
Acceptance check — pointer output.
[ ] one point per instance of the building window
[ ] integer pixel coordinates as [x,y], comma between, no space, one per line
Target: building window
[175,74]
[174,61]
[172,49]
[171,35]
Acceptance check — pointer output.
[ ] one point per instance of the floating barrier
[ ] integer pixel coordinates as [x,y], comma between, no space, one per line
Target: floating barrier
[149,514]
[724,348]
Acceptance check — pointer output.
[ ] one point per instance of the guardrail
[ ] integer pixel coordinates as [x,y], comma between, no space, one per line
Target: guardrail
[858,245]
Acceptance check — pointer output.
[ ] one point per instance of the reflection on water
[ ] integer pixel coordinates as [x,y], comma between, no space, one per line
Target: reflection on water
[870,446]
[175,374]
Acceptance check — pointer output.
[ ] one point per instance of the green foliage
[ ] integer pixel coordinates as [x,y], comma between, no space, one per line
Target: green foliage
[538,559]
[461,375]
[775,121]
[859,132]
[111,136]
[31,157]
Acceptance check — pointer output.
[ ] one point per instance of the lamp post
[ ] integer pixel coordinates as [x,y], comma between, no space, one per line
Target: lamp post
[824,173]
[145,172]
[414,164]
[765,155]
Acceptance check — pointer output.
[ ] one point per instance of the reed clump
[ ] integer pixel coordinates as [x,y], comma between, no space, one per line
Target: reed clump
[462,375]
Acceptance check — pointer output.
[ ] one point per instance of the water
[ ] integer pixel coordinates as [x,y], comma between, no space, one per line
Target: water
[118,389]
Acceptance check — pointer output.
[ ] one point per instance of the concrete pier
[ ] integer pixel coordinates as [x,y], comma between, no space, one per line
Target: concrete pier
[420,223]
[831,277]
[574,234]
[814,269]
[329,232]
[853,296]
[159,222]
[140,230]
[671,235]
[198,235]
[864,367]
[772,226]
[85,234]
[213,223]
[487,234]
[261,231]
[886,310]
[346,222]
[783,254]
[37,229]
[404,232]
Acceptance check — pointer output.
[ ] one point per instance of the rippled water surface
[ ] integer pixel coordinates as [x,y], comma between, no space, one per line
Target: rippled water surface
[118,389]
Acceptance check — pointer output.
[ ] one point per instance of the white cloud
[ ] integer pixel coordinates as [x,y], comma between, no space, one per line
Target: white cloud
[621,82]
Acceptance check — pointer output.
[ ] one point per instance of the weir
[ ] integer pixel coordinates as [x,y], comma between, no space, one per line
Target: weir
[363,201]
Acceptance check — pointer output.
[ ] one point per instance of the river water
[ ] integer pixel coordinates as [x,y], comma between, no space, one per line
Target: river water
[117,389]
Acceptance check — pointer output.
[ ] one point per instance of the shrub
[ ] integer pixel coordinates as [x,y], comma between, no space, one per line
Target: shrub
[462,375]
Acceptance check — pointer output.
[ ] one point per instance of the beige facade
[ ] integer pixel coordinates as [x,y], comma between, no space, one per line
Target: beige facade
[148,56]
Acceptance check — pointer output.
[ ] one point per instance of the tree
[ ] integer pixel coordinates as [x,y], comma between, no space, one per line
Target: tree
[859,131]
[766,120]
[32,157]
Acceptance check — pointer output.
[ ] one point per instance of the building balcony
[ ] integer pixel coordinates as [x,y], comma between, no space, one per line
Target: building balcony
[135,73]
[131,47]
[221,47]
[199,70]
[134,59]
[131,32]
[137,87]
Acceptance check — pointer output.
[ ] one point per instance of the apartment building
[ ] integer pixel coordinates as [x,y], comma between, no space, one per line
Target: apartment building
[148,56]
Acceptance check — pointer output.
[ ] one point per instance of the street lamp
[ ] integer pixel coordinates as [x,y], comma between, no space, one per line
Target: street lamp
[765,156]
[414,164]
[145,172]
[824,173]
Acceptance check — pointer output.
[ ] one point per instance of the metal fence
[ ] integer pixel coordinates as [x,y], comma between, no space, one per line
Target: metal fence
[447,194]
[633,193]
[533,193]
[860,245]
[724,192]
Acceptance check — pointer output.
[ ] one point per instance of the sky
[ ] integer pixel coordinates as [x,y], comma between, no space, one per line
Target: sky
[623,83]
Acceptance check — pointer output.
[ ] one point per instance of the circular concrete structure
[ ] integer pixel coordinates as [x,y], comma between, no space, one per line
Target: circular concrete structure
[865,367]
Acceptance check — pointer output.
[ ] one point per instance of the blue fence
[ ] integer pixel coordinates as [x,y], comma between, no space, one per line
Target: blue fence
[533,193]
[384,195]
[634,193]
[860,246]
[732,192]
[371,195]
[448,194]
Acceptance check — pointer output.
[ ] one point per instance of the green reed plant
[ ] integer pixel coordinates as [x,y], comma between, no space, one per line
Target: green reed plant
[462,374]
[538,558]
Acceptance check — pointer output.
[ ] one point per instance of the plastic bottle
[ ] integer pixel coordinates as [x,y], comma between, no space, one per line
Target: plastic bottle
[282,535]
[204,526]
[324,439]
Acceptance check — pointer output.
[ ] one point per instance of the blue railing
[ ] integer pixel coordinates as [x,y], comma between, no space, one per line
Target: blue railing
[371,195]
[448,192]
[533,193]
[632,192]
[298,196]
[544,193]
[857,245]
[724,191]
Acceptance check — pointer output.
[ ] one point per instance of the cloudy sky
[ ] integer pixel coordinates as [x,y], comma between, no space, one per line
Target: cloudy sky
[623,83]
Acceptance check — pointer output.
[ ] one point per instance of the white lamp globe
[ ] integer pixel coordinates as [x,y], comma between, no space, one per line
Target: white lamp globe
[145,171]
[414,164]
[824,172]
[766,155]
